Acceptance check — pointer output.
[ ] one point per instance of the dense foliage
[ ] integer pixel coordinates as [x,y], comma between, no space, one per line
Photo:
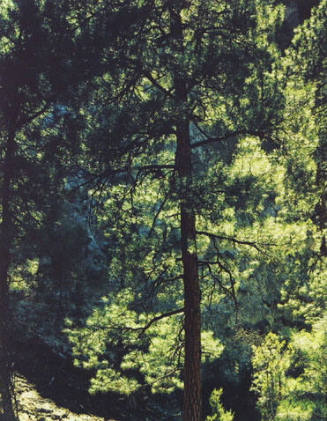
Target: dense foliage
[163,202]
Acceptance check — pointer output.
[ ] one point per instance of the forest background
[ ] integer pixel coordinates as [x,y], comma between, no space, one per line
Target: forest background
[163,207]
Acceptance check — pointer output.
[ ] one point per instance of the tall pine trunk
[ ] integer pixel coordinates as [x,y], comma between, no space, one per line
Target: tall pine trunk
[6,239]
[192,406]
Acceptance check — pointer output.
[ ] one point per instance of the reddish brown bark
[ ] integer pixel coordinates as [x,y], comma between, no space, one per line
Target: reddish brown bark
[192,405]
[192,368]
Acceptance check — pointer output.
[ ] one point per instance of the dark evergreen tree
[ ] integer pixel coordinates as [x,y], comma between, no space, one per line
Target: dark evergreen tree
[39,71]
[193,74]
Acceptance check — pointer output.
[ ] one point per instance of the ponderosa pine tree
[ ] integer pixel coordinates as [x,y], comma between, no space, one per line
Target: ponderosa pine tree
[193,74]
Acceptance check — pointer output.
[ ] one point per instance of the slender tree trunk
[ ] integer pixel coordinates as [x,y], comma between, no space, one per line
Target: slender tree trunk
[192,367]
[192,405]
[6,238]
[320,216]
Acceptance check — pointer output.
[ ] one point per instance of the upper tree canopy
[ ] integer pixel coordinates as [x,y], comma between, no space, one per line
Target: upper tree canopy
[222,57]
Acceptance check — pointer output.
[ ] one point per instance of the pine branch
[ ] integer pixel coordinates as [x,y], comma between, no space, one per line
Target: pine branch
[227,136]
[160,317]
[253,244]
[157,84]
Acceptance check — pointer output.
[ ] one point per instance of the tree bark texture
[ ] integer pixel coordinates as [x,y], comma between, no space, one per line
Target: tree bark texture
[192,368]
[192,402]
[6,239]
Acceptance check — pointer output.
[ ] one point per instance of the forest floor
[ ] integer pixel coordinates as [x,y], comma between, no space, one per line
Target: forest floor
[33,407]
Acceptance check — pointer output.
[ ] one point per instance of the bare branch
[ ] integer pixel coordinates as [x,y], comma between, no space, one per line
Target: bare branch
[162,316]
[253,244]
[30,118]
[96,178]
[135,329]
[154,222]
[227,136]
[157,84]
